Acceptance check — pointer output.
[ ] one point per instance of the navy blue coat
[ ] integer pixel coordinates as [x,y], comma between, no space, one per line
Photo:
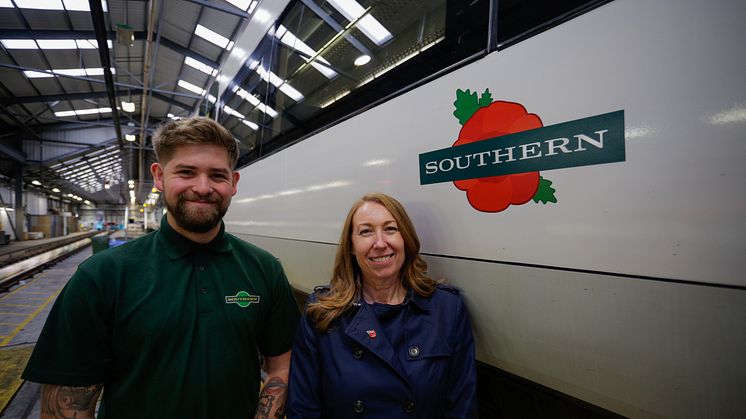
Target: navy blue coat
[346,373]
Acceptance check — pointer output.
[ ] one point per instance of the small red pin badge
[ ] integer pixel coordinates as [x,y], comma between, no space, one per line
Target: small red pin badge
[371,333]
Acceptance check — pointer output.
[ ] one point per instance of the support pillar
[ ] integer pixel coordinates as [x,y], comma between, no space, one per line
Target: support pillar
[20,216]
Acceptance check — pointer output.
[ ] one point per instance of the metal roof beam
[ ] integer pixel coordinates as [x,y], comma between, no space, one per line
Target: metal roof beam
[99,26]
[172,101]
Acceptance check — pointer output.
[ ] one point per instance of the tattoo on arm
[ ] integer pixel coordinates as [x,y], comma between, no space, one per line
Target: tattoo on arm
[273,392]
[65,402]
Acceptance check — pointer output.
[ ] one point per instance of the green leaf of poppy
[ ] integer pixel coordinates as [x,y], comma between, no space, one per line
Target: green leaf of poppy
[545,192]
[466,104]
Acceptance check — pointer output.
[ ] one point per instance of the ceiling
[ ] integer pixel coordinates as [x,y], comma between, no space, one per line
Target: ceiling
[69,109]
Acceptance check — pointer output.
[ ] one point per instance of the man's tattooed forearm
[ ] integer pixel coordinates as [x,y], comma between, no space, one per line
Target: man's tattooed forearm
[67,402]
[273,391]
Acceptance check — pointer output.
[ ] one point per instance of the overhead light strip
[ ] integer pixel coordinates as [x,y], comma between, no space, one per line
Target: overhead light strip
[368,25]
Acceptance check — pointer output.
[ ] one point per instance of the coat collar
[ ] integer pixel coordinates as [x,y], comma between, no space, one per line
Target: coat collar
[177,246]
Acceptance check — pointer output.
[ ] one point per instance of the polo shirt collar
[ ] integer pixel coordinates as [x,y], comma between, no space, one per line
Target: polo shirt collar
[178,246]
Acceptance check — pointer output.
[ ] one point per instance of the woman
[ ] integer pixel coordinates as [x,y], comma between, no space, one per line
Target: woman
[383,339]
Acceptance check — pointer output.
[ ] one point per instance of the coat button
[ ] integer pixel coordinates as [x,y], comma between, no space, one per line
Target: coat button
[203,290]
[414,351]
[358,353]
[201,268]
[409,407]
[358,406]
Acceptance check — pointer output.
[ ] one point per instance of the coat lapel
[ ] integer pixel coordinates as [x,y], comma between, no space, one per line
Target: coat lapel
[362,326]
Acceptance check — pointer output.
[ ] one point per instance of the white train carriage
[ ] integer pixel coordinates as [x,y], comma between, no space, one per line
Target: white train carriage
[622,285]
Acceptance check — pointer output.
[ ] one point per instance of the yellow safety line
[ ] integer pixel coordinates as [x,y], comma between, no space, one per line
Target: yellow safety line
[29,318]
[9,324]
[26,284]
[18,305]
[13,314]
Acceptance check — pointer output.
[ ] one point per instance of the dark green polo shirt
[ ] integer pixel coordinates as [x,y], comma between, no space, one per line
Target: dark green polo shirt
[171,327]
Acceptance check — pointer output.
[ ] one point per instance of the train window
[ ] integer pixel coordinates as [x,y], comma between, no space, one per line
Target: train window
[325,60]
[520,19]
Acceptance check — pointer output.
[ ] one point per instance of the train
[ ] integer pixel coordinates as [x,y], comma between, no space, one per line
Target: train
[615,275]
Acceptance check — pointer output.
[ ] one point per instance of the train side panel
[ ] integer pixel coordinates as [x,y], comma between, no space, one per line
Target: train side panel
[629,291]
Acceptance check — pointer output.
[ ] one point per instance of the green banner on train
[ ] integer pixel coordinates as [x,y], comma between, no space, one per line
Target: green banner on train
[582,142]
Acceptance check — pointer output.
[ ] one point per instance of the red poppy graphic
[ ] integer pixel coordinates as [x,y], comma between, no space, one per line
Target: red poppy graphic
[483,119]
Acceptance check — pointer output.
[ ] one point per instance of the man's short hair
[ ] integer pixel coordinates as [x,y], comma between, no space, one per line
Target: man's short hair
[196,130]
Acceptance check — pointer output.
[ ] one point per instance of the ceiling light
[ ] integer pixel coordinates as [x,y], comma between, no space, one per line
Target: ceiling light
[281,84]
[36,182]
[128,106]
[362,60]
[213,37]
[19,44]
[87,202]
[191,62]
[251,125]
[287,38]
[40,4]
[55,190]
[57,44]
[192,88]
[241,4]
[368,25]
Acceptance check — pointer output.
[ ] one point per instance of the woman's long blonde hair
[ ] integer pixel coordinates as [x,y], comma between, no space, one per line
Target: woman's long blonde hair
[345,286]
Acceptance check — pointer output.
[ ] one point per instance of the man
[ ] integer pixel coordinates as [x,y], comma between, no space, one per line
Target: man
[170,325]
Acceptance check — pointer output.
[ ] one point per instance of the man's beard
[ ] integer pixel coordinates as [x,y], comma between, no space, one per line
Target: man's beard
[197,220]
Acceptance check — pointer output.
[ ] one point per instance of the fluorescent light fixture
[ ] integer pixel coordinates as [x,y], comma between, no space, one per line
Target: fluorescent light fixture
[55,190]
[256,102]
[75,72]
[252,6]
[130,137]
[368,25]
[213,37]
[36,74]
[62,114]
[128,106]
[241,4]
[51,43]
[87,202]
[81,5]
[40,4]
[192,88]
[262,16]
[251,125]
[82,112]
[212,99]
[231,111]
[362,60]
[292,41]
[19,44]
[57,43]
[91,43]
[36,182]
[281,84]
[191,62]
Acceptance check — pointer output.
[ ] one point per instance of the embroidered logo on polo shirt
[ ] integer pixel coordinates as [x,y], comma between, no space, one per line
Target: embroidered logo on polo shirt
[243,299]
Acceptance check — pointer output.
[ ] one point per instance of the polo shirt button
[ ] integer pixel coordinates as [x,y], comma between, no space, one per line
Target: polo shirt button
[409,407]
[358,406]
[358,353]
[201,268]
[414,351]
[203,290]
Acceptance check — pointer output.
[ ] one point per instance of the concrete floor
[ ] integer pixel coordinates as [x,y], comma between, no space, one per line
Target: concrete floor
[23,311]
